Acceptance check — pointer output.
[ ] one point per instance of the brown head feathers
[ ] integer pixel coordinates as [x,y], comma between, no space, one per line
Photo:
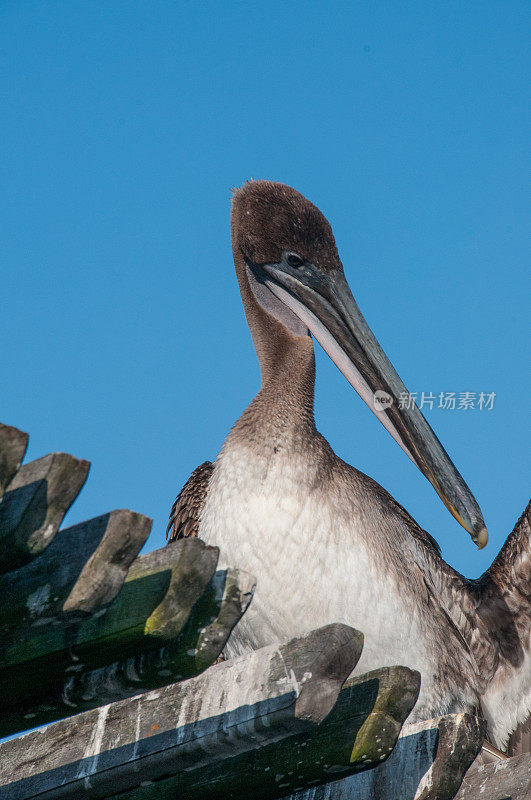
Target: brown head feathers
[268,218]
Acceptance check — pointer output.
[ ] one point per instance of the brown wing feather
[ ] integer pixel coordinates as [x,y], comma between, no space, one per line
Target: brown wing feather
[496,622]
[186,511]
[493,614]
[503,594]
[512,565]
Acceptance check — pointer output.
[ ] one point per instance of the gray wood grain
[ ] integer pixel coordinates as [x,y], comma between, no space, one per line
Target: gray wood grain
[104,546]
[509,779]
[105,571]
[376,702]
[77,688]
[223,714]
[142,641]
[428,763]
[34,505]
[13,444]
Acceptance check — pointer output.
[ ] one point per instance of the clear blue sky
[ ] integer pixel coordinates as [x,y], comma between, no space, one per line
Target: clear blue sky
[124,126]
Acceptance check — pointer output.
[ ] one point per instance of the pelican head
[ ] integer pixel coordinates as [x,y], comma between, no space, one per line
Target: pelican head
[291,276]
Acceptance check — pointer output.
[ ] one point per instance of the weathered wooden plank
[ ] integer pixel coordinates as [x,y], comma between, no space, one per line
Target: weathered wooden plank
[222,717]
[104,573]
[234,590]
[101,549]
[34,504]
[144,590]
[377,703]
[170,620]
[142,606]
[509,779]
[428,763]
[78,689]
[13,445]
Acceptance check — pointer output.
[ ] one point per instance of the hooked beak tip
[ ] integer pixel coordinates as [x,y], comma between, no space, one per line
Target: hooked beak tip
[481,538]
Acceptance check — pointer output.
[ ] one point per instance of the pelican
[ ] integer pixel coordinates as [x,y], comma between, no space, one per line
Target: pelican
[326,542]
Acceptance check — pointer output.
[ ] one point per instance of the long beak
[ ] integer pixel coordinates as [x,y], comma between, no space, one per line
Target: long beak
[324,302]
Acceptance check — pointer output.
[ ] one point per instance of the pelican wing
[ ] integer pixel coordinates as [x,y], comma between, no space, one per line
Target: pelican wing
[493,615]
[498,630]
[505,595]
[186,510]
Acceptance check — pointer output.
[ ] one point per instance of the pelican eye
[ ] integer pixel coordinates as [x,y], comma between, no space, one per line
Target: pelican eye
[294,260]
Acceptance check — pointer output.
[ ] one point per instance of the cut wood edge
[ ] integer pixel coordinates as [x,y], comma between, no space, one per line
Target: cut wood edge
[13,446]
[396,698]
[34,505]
[459,742]
[104,574]
[510,778]
[335,651]
[236,589]
[38,590]
[190,576]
